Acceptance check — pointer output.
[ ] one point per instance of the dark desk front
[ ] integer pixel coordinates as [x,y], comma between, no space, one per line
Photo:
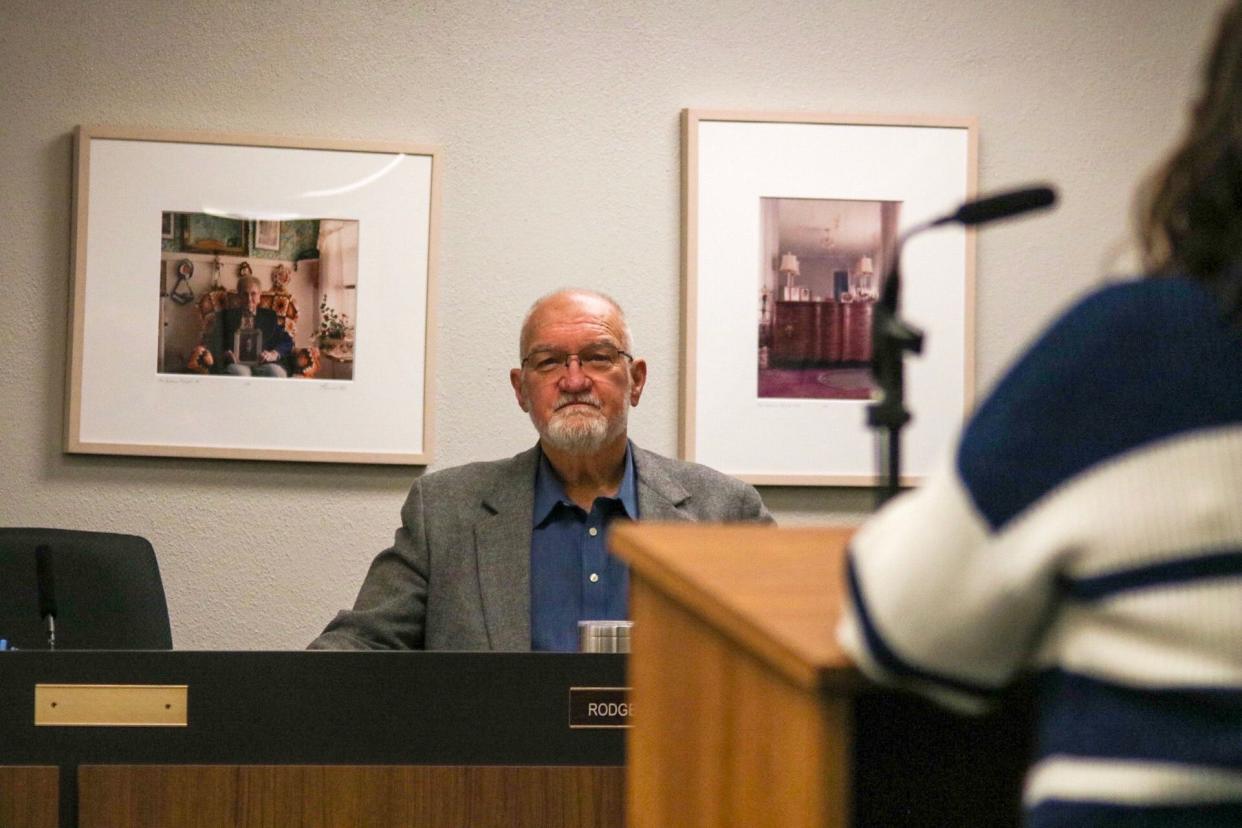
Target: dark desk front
[318,738]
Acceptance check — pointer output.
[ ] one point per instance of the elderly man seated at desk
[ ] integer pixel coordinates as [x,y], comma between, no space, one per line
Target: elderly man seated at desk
[509,554]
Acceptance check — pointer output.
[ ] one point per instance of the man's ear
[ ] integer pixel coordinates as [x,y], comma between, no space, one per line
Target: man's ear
[515,379]
[638,379]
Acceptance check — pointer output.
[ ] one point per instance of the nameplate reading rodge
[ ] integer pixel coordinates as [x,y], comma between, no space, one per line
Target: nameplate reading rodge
[599,707]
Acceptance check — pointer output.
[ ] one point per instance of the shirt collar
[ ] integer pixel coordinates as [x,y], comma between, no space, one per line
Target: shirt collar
[549,491]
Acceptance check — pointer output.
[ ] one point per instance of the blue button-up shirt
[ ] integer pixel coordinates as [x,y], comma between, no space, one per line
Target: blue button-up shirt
[572,576]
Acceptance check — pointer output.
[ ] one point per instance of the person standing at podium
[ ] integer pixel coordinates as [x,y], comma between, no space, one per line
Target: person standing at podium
[1088,527]
[510,554]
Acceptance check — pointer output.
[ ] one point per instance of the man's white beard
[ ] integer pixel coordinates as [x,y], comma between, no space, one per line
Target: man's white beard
[575,431]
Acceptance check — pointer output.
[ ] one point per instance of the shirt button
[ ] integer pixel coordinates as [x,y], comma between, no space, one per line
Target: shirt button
[592,531]
[594,577]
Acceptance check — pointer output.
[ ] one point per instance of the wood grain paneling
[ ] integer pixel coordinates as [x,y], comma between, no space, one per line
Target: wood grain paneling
[741,693]
[250,796]
[28,796]
[720,738]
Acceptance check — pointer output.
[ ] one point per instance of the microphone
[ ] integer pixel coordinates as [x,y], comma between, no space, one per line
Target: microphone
[46,581]
[1000,206]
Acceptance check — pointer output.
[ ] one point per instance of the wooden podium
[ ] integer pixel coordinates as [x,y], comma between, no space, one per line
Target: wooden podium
[747,713]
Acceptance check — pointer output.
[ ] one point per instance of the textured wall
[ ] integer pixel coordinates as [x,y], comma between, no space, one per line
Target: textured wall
[558,123]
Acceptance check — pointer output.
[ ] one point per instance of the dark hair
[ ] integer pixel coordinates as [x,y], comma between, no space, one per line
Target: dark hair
[1190,211]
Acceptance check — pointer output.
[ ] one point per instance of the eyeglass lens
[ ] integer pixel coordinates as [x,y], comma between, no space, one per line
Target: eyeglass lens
[595,359]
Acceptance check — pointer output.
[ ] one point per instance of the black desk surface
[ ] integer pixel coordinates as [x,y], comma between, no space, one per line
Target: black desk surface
[322,708]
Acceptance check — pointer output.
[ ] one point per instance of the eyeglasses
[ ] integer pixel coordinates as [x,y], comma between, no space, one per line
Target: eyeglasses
[596,360]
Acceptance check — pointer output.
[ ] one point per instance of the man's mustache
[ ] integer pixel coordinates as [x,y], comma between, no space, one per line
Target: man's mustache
[585,397]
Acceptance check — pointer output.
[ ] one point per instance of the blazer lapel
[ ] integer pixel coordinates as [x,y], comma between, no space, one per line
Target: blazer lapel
[502,548]
[660,496]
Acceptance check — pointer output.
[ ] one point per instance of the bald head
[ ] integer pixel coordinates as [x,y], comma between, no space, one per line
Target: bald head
[571,304]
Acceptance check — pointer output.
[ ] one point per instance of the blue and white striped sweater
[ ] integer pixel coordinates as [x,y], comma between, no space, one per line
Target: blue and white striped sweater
[1088,528]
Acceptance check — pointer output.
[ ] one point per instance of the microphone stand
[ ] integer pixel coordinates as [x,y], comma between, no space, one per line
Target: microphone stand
[45,580]
[891,338]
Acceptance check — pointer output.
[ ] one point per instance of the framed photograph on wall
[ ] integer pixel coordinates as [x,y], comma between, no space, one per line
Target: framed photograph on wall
[266,235]
[148,375]
[790,221]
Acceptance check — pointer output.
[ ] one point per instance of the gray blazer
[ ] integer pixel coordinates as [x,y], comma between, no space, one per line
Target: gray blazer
[457,576]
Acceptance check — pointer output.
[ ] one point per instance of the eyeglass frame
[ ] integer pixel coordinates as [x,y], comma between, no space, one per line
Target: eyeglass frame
[572,355]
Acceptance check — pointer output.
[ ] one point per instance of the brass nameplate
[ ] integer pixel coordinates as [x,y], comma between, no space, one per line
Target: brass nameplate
[599,707]
[111,705]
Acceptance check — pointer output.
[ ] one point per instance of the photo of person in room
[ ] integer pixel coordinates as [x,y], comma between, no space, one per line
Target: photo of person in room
[257,298]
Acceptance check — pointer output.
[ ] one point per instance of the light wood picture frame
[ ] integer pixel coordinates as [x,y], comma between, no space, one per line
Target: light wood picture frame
[756,189]
[119,401]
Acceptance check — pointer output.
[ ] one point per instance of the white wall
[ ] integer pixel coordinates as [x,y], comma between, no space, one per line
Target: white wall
[558,122]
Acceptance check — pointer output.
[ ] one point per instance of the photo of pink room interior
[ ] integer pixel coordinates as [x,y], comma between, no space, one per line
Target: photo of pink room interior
[819,278]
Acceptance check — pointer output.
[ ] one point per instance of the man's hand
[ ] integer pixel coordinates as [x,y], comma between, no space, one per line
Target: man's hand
[269,356]
[228,357]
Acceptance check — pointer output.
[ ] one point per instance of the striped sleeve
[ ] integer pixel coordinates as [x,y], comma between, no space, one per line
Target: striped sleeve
[932,607]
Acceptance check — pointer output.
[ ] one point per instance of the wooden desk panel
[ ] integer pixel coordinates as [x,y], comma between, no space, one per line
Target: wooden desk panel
[250,796]
[28,796]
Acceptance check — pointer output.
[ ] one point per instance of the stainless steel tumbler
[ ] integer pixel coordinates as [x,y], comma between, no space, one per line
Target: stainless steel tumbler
[604,636]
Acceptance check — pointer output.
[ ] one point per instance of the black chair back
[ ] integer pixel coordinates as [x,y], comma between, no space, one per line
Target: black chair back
[108,591]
